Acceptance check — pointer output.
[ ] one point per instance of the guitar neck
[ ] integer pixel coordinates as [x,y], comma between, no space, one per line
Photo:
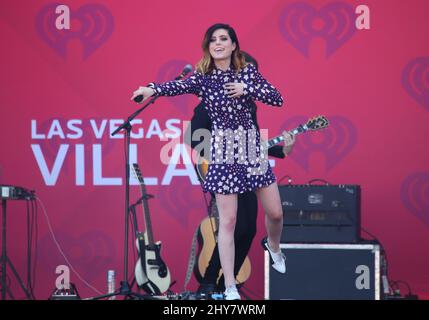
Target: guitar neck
[145,203]
[147,221]
[214,213]
[276,140]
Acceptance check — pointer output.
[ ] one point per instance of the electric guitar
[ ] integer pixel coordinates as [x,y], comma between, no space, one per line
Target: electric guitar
[207,238]
[314,124]
[151,272]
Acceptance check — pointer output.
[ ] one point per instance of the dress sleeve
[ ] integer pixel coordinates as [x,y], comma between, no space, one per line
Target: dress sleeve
[191,85]
[260,89]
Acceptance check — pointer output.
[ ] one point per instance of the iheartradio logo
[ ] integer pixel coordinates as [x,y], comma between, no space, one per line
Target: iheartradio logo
[91,253]
[179,199]
[415,80]
[169,71]
[336,23]
[92,24]
[333,143]
[415,195]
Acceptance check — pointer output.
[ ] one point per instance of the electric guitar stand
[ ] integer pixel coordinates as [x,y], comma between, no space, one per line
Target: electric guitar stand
[125,288]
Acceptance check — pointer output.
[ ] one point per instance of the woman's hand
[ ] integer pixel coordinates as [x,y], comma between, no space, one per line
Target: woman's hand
[234,89]
[146,92]
[289,139]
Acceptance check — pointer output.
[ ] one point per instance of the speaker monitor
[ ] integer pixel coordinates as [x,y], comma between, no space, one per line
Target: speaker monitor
[325,272]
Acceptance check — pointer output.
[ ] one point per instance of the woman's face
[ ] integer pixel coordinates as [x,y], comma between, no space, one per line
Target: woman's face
[221,46]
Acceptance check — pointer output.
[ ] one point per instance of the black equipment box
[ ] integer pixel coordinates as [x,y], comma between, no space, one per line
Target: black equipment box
[325,272]
[15,193]
[320,213]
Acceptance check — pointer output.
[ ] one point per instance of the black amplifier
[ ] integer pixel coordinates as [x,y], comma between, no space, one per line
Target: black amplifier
[320,213]
[326,272]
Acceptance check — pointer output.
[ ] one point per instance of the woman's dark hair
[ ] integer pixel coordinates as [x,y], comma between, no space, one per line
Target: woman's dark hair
[249,59]
[206,64]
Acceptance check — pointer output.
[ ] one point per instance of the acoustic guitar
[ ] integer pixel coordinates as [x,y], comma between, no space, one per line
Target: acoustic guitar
[207,238]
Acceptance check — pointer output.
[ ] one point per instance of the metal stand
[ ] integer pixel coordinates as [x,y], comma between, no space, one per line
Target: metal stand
[125,288]
[4,261]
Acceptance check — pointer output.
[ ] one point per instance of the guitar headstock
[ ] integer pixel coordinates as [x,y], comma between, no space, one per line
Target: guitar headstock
[313,124]
[317,123]
[137,173]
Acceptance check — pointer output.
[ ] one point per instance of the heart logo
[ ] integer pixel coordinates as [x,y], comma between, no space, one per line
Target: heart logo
[415,80]
[337,141]
[415,195]
[168,72]
[180,198]
[91,253]
[96,26]
[300,23]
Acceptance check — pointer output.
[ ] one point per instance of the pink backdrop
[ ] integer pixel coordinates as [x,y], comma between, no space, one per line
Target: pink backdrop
[372,84]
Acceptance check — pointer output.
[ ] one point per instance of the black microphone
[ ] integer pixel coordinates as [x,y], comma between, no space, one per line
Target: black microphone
[185,71]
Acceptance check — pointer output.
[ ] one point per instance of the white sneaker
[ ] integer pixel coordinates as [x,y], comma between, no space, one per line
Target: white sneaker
[278,259]
[231,293]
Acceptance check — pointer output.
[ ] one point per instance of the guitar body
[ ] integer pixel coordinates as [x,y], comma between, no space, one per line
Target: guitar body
[207,243]
[202,168]
[139,271]
[156,276]
[151,272]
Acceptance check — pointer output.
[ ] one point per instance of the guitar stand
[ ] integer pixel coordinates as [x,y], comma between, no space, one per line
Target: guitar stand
[125,289]
[4,261]
[136,232]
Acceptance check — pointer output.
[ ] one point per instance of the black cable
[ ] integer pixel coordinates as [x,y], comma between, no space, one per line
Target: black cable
[29,246]
[396,284]
[385,262]
[310,182]
[393,284]
[30,229]
[73,289]
[286,176]
[32,242]
[36,237]
[28,243]
[382,251]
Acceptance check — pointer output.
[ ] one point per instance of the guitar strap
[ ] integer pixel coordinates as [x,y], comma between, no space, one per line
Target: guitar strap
[192,258]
